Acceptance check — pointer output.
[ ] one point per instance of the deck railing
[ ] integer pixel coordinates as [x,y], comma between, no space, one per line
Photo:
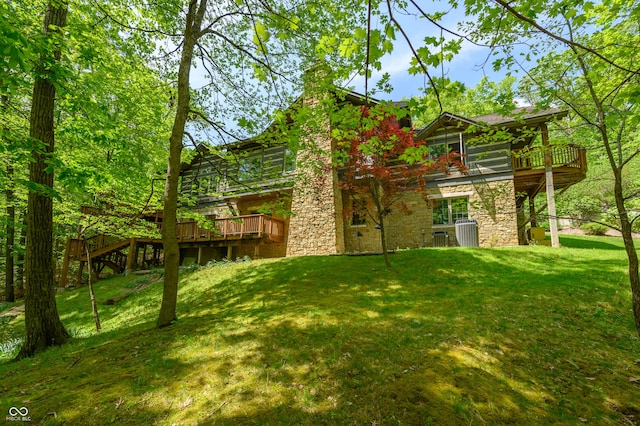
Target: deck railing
[571,156]
[78,248]
[237,227]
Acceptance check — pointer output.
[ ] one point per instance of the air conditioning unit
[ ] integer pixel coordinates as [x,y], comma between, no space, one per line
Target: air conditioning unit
[467,232]
[440,239]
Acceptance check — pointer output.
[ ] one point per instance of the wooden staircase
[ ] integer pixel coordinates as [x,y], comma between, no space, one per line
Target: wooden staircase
[104,251]
[99,252]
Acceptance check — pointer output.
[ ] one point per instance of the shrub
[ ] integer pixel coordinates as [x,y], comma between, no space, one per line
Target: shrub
[594,229]
[11,347]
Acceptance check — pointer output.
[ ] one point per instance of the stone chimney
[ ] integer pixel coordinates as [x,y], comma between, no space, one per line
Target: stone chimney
[316,226]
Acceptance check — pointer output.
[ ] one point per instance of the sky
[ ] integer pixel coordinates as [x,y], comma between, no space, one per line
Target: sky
[467,67]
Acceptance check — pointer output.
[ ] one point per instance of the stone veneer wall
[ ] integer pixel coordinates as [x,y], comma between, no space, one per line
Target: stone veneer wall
[492,204]
[316,222]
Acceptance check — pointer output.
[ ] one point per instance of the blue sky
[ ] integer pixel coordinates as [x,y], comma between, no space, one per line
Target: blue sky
[467,66]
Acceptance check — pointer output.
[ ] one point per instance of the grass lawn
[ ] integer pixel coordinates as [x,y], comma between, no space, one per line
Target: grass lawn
[523,335]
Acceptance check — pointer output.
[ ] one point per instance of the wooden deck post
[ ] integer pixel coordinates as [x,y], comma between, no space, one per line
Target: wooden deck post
[532,211]
[144,254]
[551,199]
[131,257]
[65,265]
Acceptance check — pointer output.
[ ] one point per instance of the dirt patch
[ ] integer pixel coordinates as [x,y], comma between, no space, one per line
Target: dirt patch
[13,312]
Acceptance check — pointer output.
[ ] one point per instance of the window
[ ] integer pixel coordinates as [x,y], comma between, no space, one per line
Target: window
[249,168]
[289,161]
[449,146]
[206,185]
[447,211]
[359,216]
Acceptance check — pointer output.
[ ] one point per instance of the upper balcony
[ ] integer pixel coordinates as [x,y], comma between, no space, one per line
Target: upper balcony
[568,162]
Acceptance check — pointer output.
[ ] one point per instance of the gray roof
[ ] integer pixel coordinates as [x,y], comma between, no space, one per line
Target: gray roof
[525,116]
[518,115]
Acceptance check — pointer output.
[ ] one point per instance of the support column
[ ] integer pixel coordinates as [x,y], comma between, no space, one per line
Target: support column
[532,211]
[144,254]
[65,265]
[522,236]
[80,270]
[131,261]
[551,199]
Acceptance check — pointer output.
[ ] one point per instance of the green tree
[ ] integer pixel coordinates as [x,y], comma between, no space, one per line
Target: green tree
[380,162]
[112,127]
[587,62]
[252,52]
[17,53]
[193,27]
[42,323]
[485,98]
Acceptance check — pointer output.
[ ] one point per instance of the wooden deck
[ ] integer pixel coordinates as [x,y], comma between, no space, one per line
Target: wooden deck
[569,164]
[107,251]
[233,228]
[258,226]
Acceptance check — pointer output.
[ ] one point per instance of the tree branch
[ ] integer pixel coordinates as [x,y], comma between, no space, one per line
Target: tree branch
[571,43]
[415,54]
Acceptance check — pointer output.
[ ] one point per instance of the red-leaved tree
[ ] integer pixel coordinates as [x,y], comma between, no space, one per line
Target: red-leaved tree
[379,162]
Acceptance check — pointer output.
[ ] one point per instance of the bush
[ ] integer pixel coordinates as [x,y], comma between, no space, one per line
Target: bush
[11,347]
[594,229]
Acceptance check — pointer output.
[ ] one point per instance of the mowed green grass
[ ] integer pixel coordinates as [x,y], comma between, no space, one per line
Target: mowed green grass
[524,335]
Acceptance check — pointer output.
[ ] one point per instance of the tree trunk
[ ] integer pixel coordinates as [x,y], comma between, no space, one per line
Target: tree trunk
[19,283]
[383,237]
[9,294]
[376,194]
[42,323]
[629,246]
[169,239]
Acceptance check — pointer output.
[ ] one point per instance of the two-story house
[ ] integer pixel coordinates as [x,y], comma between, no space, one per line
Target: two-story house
[261,205]
[259,198]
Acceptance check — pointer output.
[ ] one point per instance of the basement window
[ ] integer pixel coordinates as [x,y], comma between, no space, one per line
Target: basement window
[359,216]
[447,210]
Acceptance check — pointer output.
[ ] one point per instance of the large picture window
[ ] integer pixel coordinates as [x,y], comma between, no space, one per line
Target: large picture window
[447,210]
